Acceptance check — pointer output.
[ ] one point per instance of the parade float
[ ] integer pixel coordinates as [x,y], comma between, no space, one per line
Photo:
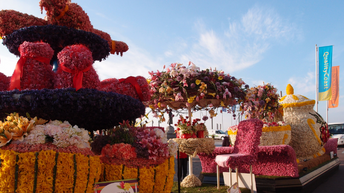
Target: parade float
[54,102]
[281,167]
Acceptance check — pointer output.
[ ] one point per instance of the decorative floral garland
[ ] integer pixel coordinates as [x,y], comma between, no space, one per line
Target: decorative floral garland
[48,171]
[88,108]
[58,37]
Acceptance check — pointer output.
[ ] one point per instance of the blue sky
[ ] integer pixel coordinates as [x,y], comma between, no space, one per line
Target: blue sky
[258,41]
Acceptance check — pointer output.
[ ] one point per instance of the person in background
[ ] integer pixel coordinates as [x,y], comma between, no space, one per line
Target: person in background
[184,165]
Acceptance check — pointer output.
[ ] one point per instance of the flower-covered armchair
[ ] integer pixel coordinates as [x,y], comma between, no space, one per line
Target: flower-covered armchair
[245,148]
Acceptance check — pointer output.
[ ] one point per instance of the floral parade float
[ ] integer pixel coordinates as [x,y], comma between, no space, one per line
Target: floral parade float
[190,88]
[289,167]
[54,80]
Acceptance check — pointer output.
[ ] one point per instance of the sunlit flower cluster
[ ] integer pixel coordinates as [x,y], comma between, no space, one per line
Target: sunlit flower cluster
[16,127]
[191,85]
[263,102]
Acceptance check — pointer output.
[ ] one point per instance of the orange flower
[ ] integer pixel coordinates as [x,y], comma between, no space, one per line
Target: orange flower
[5,138]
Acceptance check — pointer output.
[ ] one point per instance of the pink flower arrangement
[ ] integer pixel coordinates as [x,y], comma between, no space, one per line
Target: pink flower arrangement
[134,146]
[119,151]
[190,84]
[263,102]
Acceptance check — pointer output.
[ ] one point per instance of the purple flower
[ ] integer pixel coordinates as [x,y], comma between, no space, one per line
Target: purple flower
[206,79]
[193,85]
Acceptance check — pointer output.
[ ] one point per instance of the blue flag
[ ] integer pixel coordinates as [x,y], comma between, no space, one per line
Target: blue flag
[325,68]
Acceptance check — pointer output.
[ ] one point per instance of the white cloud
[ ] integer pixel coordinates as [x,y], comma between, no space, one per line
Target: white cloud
[303,85]
[243,44]
[135,62]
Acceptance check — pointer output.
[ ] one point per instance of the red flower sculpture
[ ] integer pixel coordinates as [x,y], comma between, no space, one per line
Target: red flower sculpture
[4,82]
[76,69]
[33,70]
[65,13]
[136,87]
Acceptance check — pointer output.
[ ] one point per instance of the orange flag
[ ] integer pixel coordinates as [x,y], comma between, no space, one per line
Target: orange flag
[333,103]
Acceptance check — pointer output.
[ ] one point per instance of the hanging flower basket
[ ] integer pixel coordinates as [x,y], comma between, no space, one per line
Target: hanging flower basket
[48,171]
[151,179]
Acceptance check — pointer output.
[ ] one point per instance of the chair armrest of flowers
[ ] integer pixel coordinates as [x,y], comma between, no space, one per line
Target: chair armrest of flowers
[278,160]
[331,145]
[208,160]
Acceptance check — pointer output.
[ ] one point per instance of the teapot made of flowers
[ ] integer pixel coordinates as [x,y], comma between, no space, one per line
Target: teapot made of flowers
[309,131]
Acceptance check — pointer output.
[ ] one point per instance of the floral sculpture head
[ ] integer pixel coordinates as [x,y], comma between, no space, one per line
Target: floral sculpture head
[65,13]
[76,68]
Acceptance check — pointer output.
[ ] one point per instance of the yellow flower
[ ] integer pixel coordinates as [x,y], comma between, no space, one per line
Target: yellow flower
[198,82]
[220,77]
[169,90]
[149,80]
[267,100]
[191,99]
[212,94]
[127,186]
[161,89]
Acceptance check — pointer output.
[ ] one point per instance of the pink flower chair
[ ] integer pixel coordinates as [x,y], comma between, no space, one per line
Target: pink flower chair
[245,149]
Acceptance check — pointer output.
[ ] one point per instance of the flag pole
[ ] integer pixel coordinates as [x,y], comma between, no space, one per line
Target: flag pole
[316,77]
[327,111]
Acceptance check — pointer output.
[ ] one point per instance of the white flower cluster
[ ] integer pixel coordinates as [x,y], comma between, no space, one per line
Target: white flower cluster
[161,135]
[62,133]
[172,147]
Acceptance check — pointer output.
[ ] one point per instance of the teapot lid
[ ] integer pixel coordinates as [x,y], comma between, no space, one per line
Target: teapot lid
[294,100]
